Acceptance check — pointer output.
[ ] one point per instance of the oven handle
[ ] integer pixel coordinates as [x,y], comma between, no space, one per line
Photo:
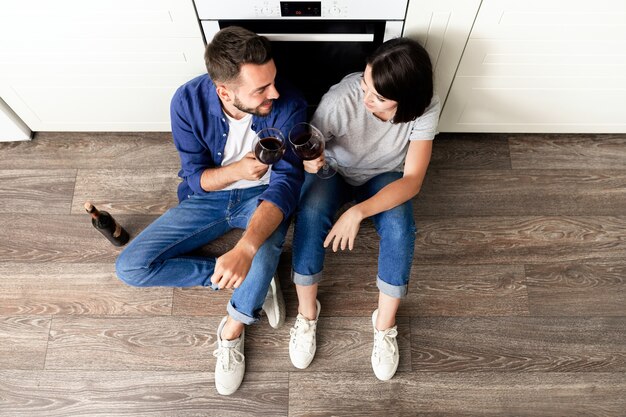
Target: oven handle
[319,37]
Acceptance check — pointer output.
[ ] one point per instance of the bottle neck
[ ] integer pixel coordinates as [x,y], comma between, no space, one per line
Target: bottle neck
[92,210]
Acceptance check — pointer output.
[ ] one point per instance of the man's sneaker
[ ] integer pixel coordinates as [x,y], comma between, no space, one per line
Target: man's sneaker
[385,355]
[231,363]
[274,304]
[302,344]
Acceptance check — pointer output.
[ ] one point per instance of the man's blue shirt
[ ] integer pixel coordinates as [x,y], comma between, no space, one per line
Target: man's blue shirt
[200,130]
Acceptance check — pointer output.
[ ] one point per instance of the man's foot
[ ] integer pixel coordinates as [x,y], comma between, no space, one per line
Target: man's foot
[302,343]
[385,356]
[274,305]
[231,363]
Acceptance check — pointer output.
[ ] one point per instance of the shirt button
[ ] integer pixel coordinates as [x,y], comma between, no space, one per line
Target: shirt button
[224,134]
[219,153]
[223,120]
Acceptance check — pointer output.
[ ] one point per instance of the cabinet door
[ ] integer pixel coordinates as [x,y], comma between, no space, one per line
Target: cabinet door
[87,66]
[542,66]
[442,27]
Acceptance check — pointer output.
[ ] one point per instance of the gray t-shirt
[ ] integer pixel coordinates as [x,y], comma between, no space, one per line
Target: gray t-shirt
[363,145]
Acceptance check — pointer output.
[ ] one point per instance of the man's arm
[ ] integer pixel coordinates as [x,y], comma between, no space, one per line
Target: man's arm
[248,168]
[232,267]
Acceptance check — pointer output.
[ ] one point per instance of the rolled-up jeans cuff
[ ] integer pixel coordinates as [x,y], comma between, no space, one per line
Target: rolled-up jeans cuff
[395,291]
[239,316]
[306,280]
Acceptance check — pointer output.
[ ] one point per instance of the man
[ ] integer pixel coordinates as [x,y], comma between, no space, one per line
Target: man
[214,120]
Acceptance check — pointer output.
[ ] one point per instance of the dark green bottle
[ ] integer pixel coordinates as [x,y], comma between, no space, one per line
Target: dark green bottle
[106,224]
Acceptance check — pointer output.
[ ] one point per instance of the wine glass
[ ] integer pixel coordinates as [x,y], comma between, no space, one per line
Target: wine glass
[269,145]
[308,143]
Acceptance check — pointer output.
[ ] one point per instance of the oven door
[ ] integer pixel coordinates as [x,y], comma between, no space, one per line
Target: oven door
[316,54]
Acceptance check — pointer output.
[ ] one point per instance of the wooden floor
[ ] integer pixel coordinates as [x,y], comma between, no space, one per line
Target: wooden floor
[517,303]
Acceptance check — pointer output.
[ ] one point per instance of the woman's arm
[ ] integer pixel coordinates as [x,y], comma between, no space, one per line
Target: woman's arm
[344,231]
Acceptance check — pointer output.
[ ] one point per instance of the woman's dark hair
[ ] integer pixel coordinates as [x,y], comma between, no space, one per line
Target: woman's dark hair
[232,47]
[402,72]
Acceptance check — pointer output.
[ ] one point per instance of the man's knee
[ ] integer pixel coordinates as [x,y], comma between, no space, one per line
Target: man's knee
[128,272]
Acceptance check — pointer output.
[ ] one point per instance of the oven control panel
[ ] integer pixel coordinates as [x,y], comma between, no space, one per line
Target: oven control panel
[301,9]
[304,9]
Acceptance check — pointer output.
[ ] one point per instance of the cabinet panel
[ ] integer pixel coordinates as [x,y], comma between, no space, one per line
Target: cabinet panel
[535,105]
[104,57]
[551,20]
[542,66]
[84,65]
[86,103]
[443,27]
[531,58]
[66,19]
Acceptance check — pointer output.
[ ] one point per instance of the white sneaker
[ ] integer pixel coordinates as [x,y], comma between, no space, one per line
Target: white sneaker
[274,304]
[385,356]
[302,343]
[231,363]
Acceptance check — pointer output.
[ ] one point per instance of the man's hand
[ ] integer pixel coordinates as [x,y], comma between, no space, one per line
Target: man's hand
[232,267]
[314,165]
[249,168]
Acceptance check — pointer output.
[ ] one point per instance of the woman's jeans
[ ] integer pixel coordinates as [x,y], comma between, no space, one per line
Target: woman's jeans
[320,200]
[157,256]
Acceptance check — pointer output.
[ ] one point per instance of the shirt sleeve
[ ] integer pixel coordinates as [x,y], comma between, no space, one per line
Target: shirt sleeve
[425,126]
[287,174]
[195,157]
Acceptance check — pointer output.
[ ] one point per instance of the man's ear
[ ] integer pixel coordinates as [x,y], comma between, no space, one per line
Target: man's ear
[224,93]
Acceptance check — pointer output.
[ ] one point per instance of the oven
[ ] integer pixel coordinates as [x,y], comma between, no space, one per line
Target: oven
[314,43]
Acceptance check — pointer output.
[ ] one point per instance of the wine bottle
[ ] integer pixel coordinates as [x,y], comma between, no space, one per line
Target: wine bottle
[106,224]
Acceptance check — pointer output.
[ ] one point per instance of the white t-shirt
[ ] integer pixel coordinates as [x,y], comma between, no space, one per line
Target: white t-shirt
[363,145]
[238,144]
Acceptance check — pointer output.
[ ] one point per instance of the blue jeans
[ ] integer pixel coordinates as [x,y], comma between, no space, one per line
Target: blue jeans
[157,256]
[320,200]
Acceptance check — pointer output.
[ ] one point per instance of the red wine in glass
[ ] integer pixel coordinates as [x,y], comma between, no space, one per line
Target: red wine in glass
[306,147]
[309,144]
[269,146]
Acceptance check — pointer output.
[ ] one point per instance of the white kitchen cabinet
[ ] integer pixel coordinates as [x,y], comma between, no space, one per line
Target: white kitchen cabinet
[542,66]
[11,127]
[443,27]
[79,65]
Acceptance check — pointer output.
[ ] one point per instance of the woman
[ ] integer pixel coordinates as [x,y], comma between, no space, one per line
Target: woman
[379,126]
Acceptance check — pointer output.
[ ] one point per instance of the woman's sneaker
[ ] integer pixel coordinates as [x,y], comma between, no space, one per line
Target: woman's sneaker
[302,343]
[385,356]
[231,363]
[274,304]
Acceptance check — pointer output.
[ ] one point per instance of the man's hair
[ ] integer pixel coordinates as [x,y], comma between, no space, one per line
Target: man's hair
[232,47]
[402,71]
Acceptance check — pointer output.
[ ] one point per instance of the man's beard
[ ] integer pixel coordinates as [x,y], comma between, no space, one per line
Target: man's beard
[255,111]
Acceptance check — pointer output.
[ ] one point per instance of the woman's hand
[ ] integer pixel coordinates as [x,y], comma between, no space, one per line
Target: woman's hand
[345,230]
[314,165]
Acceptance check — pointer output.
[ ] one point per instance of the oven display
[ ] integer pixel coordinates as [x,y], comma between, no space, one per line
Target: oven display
[300,8]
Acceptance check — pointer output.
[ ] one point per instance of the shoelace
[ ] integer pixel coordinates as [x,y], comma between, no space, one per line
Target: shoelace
[383,343]
[227,356]
[302,336]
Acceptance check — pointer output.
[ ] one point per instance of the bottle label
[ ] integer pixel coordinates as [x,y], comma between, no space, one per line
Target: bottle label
[118,230]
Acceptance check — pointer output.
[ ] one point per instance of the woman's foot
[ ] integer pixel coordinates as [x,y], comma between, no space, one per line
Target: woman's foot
[385,356]
[302,344]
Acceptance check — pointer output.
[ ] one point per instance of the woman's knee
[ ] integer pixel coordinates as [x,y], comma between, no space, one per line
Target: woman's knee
[397,226]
